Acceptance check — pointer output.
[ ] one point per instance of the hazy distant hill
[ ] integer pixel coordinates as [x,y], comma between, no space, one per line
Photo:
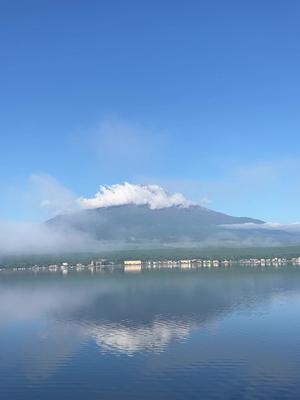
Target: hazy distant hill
[194,224]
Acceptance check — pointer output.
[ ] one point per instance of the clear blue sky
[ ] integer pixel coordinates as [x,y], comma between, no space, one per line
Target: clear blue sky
[201,97]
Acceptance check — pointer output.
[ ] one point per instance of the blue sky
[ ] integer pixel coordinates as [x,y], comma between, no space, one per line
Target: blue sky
[200,97]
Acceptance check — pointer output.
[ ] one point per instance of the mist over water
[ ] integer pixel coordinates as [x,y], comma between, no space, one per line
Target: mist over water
[222,333]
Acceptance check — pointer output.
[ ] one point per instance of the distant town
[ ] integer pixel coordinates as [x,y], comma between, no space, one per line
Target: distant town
[139,265]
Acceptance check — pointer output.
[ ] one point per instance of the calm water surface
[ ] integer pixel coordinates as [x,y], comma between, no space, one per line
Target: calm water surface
[206,334]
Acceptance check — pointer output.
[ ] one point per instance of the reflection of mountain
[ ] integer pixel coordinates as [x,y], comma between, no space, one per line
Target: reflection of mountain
[147,312]
[140,300]
[203,331]
[129,314]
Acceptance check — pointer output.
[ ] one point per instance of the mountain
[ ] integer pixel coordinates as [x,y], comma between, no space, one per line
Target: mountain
[139,224]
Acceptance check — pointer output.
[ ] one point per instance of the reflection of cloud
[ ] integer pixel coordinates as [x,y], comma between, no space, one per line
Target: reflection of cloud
[48,349]
[58,321]
[124,339]
[24,304]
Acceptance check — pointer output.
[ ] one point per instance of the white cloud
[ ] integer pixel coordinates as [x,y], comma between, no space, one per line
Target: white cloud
[294,227]
[28,238]
[120,145]
[204,201]
[152,195]
[52,195]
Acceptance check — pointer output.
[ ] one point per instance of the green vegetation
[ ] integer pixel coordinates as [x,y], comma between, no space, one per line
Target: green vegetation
[153,254]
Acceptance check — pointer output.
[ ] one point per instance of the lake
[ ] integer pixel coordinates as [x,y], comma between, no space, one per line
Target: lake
[218,333]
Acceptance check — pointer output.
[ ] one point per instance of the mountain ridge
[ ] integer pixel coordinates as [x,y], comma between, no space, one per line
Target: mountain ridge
[141,224]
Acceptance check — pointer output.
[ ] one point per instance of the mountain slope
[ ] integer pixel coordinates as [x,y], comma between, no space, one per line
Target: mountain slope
[133,223]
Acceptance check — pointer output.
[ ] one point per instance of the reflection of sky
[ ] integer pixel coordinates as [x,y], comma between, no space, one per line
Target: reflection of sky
[232,324]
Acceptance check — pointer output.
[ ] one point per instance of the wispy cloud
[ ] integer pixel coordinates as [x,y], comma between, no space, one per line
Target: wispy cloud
[118,144]
[265,190]
[52,195]
[30,238]
[271,226]
[205,202]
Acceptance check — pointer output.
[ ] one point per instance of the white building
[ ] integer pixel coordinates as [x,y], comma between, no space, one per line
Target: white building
[133,266]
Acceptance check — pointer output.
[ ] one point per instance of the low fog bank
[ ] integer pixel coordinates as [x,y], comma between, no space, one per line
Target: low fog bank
[18,239]
[267,226]
[29,238]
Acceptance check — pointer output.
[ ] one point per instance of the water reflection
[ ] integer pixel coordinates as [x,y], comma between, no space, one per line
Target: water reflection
[128,340]
[226,319]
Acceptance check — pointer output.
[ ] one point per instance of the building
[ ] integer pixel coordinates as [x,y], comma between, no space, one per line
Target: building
[185,263]
[133,262]
[132,266]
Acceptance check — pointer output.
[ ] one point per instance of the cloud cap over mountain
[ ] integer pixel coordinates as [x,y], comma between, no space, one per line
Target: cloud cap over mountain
[154,196]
